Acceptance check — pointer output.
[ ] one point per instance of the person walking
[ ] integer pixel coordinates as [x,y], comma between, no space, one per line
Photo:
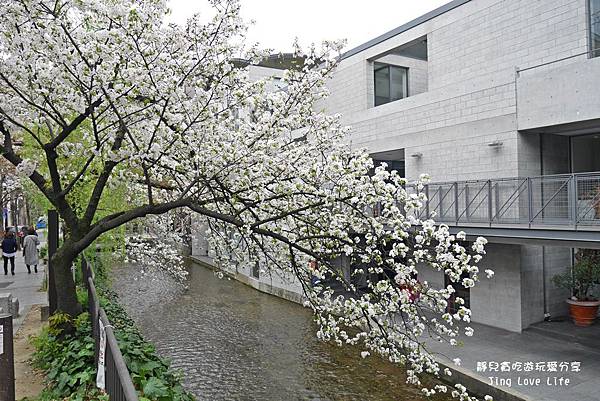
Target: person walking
[9,250]
[30,250]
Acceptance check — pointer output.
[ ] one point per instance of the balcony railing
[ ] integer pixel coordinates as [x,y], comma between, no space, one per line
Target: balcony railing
[567,201]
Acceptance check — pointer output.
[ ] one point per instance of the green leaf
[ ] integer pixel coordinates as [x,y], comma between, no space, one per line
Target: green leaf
[155,388]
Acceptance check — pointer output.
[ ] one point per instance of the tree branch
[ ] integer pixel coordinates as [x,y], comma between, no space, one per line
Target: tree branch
[66,131]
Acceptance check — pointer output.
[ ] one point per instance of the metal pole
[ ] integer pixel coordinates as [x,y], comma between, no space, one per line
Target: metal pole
[7,359]
[467,203]
[490,217]
[456,202]
[52,247]
[428,200]
[496,216]
[573,199]
[529,201]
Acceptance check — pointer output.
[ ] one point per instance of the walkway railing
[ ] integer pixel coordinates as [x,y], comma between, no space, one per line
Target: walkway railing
[567,201]
[118,384]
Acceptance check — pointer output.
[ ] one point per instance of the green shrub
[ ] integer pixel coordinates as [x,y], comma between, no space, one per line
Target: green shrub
[67,360]
[583,279]
[43,251]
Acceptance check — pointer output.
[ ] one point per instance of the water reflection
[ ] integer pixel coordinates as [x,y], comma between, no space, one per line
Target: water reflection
[234,343]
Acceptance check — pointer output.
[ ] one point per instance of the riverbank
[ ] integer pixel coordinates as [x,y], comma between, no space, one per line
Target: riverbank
[29,382]
[271,287]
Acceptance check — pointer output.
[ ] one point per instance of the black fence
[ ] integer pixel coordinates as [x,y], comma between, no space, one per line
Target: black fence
[118,384]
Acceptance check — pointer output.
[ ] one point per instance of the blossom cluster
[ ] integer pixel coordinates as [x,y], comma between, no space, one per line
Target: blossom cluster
[107,93]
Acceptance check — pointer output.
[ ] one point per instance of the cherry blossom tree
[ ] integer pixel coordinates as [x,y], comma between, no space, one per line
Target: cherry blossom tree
[108,95]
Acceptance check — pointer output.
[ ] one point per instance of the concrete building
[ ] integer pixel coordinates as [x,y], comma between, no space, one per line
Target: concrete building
[476,92]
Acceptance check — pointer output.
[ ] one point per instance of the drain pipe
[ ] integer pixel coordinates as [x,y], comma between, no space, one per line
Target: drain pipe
[546,313]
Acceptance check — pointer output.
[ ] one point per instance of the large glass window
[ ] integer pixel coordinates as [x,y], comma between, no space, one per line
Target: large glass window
[595,27]
[391,83]
[584,153]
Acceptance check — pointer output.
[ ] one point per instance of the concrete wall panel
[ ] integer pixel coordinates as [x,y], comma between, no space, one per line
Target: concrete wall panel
[561,95]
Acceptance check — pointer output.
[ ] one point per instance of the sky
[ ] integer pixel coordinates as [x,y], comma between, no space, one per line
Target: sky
[278,22]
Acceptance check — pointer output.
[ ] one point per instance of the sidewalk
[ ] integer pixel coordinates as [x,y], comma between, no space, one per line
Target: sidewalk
[23,286]
[492,347]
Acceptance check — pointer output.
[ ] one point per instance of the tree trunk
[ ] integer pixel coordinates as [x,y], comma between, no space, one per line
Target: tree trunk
[28,213]
[66,295]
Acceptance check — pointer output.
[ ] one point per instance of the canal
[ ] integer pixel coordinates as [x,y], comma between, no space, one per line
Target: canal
[235,343]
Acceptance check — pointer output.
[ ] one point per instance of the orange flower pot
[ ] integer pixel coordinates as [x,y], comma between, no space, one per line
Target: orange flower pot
[583,313]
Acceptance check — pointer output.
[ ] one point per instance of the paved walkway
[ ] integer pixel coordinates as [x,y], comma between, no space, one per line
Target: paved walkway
[532,346]
[23,286]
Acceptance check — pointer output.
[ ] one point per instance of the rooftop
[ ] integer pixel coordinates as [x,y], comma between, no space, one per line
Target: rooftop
[405,27]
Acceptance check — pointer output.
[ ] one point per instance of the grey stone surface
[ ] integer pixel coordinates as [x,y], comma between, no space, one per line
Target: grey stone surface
[572,96]
[265,284]
[497,302]
[14,307]
[44,312]
[6,301]
[491,344]
[9,304]
[472,87]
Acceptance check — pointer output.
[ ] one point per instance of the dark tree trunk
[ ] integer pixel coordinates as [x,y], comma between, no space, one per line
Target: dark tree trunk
[66,295]
[28,213]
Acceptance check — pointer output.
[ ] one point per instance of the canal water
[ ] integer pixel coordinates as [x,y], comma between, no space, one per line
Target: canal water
[234,343]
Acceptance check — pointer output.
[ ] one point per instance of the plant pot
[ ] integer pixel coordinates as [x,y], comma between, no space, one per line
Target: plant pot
[583,313]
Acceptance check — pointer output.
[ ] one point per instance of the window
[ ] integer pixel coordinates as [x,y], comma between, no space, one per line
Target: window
[397,165]
[391,83]
[595,28]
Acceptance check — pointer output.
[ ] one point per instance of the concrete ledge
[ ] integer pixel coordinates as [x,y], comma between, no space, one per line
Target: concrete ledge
[44,312]
[252,282]
[477,386]
[270,289]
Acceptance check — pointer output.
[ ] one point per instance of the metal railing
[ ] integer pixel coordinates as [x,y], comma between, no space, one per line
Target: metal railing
[119,386]
[568,201]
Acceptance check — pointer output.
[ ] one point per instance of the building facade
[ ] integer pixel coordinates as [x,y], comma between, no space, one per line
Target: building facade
[472,93]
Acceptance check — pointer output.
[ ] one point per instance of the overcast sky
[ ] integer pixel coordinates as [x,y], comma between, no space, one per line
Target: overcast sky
[278,22]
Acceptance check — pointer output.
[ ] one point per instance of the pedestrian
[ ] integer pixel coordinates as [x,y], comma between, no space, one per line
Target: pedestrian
[21,232]
[30,250]
[9,250]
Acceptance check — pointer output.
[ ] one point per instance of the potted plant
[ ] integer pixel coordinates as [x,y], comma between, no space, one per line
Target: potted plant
[583,282]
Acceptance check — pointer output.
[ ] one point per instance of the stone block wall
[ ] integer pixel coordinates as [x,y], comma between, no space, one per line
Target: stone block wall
[503,35]
[470,100]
